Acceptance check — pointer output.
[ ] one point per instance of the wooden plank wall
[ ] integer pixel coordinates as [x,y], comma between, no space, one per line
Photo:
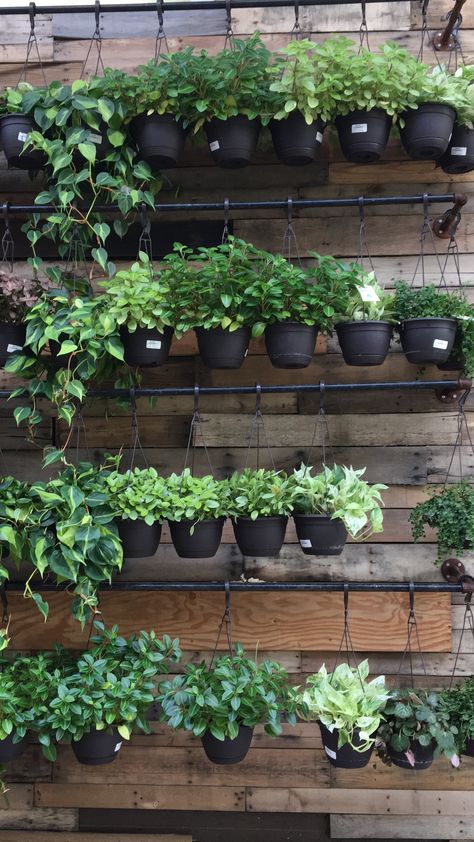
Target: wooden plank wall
[404,439]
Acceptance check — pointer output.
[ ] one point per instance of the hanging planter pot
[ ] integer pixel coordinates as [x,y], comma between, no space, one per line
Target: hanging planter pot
[202,543]
[139,540]
[226,752]
[221,348]
[159,138]
[455,362]
[427,340]
[297,143]
[345,757]
[459,156]
[97,747]
[233,141]
[423,756]
[12,339]
[261,537]
[9,750]
[364,343]
[363,135]
[468,749]
[14,130]
[427,131]
[320,535]
[146,347]
[290,344]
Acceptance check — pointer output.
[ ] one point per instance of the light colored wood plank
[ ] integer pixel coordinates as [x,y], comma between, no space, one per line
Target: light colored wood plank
[18,797]
[361,802]
[401,827]
[14,32]
[40,818]
[340,18]
[434,665]
[376,775]
[19,836]
[145,797]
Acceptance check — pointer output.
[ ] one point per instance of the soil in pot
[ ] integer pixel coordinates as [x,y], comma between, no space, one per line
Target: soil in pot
[363,135]
[97,747]
[290,344]
[320,535]
[202,543]
[427,131]
[138,539]
[146,347]
[14,130]
[459,156]
[12,339]
[160,139]
[10,750]
[261,537]
[227,751]
[427,340]
[233,141]
[468,749]
[423,756]
[221,348]
[344,757]
[364,343]
[297,143]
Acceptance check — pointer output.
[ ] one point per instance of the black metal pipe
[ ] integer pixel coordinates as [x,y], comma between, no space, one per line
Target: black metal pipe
[379,587]
[172,6]
[297,204]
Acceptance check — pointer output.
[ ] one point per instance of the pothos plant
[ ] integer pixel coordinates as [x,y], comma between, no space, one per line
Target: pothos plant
[196,498]
[136,297]
[260,493]
[415,716]
[451,513]
[353,293]
[139,494]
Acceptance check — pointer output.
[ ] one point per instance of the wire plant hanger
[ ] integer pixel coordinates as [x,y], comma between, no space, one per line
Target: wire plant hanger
[257,428]
[32,45]
[413,637]
[96,41]
[7,244]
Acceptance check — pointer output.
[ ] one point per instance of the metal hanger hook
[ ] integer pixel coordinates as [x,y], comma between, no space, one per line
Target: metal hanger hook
[97,17]
[290,210]
[32,14]
[160,8]
[196,399]
[258,399]
[227,596]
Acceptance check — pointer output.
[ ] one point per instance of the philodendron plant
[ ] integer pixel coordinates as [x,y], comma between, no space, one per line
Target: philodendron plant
[415,717]
[353,293]
[139,494]
[345,701]
[451,513]
[195,498]
[340,493]
[136,297]
[260,493]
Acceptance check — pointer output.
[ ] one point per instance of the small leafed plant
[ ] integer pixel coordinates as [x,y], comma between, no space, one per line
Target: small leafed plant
[17,296]
[195,498]
[456,705]
[353,293]
[416,716]
[339,492]
[260,493]
[451,513]
[346,701]
[140,494]
[136,297]
[301,83]
[233,691]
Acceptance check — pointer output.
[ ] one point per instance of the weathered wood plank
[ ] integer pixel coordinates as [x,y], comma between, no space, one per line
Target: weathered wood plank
[39,836]
[378,776]
[39,818]
[114,24]
[409,172]
[361,802]
[402,827]
[145,797]
[14,32]
[18,797]
[339,18]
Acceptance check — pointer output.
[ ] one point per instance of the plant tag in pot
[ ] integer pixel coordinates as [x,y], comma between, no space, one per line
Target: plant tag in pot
[319,137]
[442,344]
[359,128]
[214,146]
[94,138]
[118,747]
[368,293]
[330,753]
[459,150]
[22,136]
[305,542]
[153,344]
[12,348]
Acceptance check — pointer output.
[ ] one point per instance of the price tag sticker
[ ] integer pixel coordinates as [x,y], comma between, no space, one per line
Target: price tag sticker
[442,344]
[118,747]
[359,128]
[305,542]
[368,293]
[214,146]
[153,344]
[330,753]
[12,348]
[459,150]
[319,137]
[94,138]
[22,136]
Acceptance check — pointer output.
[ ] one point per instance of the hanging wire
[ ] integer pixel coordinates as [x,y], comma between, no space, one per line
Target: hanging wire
[467,623]
[75,268]
[462,423]
[424,28]
[225,230]
[346,642]
[81,429]
[364,252]
[321,426]
[296,32]
[290,241]
[452,253]
[412,631]
[161,39]
[229,33]
[31,45]
[195,426]
[257,425]
[8,243]
[97,41]
[145,242]
[135,441]
[363,29]
[227,622]
[426,231]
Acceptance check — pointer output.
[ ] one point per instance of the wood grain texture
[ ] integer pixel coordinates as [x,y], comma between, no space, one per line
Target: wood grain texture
[146,797]
[378,776]
[39,818]
[39,836]
[379,802]
[402,827]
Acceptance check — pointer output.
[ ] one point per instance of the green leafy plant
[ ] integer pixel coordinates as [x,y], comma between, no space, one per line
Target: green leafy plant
[352,293]
[416,716]
[259,493]
[301,83]
[451,513]
[140,494]
[136,297]
[196,498]
[456,706]
[340,493]
[454,89]
[346,701]
[465,105]
[234,691]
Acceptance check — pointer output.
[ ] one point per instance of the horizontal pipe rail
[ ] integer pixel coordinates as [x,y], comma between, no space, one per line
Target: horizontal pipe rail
[171,6]
[302,587]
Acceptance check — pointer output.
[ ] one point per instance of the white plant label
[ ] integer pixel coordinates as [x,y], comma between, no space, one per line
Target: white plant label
[22,136]
[305,542]
[118,747]
[368,293]
[459,150]
[94,138]
[319,137]
[359,128]
[214,146]
[153,344]
[246,353]
[12,348]
[330,753]
[442,344]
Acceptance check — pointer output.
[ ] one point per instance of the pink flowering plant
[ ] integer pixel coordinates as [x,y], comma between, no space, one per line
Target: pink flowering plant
[17,296]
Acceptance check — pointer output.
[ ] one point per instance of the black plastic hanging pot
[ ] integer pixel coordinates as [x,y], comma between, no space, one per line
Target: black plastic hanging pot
[427,131]
[202,543]
[427,340]
[363,135]
[146,347]
[12,339]
[261,537]
[459,156]
[290,344]
[138,539]
[364,343]
[14,130]
[468,749]
[344,757]
[9,750]
[159,138]
[233,141]
[320,535]
[97,747]
[221,348]
[297,143]
[226,752]
[423,756]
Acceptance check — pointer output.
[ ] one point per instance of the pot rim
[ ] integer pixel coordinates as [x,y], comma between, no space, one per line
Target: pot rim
[196,523]
[365,322]
[428,319]
[261,518]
